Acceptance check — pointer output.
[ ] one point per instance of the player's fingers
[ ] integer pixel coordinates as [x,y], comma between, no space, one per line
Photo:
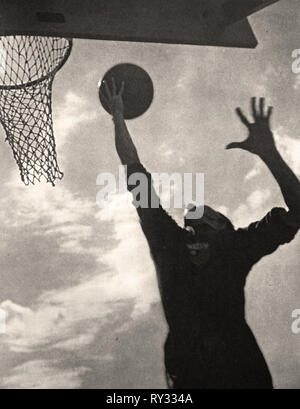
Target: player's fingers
[235,145]
[253,108]
[269,114]
[262,107]
[122,88]
[242,117]
[107,90]
[103,96]
[114,87]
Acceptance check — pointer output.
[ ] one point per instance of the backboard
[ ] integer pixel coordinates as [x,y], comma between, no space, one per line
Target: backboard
[199,22]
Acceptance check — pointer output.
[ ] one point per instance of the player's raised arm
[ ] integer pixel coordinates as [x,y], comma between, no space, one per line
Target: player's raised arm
[124,144]
[157,225]
[261,142]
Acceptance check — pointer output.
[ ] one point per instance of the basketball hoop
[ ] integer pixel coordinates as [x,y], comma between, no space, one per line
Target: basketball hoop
[28,67]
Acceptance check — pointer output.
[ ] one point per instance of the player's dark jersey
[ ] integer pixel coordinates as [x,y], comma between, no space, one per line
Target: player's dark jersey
[202,288]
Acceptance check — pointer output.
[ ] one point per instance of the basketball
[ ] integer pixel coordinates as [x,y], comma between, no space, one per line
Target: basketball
[138,92]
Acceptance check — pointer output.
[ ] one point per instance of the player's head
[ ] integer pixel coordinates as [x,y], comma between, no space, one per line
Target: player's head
[205,219]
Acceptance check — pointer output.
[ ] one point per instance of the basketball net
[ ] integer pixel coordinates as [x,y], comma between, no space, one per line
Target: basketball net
[27,69]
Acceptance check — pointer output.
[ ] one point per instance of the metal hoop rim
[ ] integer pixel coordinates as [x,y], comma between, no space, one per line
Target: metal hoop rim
[51,73]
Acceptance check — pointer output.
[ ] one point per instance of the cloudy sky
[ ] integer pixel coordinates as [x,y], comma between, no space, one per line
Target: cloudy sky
[77,281]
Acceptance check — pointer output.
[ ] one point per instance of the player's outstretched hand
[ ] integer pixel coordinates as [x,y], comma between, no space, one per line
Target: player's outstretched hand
[114,98]
[260,140]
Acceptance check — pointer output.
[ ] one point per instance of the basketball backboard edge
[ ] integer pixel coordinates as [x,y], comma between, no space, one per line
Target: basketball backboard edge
[171,21]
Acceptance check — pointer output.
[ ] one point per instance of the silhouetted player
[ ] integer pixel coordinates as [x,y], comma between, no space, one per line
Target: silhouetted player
[202,269]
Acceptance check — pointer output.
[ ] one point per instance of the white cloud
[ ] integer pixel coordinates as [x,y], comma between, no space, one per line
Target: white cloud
[258,198]
[223,209]
[290,149]
[296,85]
[54,206]
[70,318]
[130,259]
[73,112]
[256,171]
[56,212]
[41,374]
[254,208]
[168,154]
